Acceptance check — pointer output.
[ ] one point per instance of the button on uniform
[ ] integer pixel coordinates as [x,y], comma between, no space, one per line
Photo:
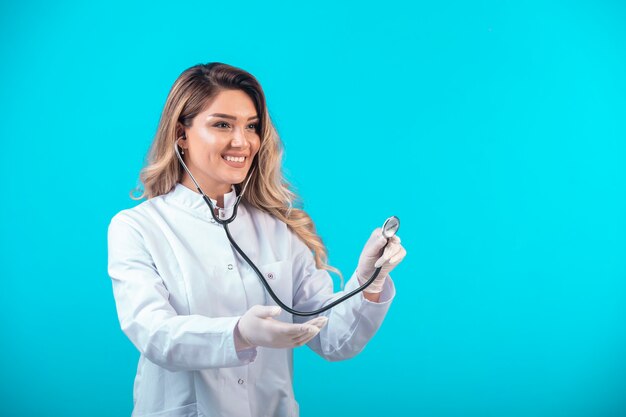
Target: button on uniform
[230,266]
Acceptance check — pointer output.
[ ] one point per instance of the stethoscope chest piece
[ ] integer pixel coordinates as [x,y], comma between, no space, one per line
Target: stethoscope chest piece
[390,227]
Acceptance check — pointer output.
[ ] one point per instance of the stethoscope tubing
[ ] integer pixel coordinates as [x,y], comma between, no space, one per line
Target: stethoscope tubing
[268,288]
[275,297]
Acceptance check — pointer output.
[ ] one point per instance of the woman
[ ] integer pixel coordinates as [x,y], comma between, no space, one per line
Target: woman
[212,342]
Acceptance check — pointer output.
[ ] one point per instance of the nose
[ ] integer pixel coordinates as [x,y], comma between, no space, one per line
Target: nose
[239,138]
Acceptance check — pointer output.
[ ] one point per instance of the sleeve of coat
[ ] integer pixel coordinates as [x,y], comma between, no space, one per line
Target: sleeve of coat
[172,341]
[351,324]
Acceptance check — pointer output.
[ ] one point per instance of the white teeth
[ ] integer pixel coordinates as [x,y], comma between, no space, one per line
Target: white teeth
[235,158]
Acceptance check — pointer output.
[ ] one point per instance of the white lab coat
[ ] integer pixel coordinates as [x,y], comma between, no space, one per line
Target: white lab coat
[180,288]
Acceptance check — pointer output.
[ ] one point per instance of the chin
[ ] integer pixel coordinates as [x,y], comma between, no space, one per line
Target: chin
[236,179]
[240,177]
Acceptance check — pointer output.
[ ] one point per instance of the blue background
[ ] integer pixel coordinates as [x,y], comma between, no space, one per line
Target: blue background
[495,130]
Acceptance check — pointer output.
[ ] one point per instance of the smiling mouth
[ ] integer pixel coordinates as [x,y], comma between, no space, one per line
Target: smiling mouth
[236,159]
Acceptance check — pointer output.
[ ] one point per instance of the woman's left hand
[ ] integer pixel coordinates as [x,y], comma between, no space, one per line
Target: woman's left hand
[374,256]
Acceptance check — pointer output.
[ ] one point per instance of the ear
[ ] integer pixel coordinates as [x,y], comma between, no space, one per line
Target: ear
[180,131]
[181,135]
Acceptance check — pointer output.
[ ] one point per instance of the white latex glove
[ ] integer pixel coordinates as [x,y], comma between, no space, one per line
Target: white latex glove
[257,327]
[373,256]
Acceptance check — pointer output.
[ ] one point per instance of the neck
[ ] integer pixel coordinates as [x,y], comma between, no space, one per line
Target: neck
[214,193]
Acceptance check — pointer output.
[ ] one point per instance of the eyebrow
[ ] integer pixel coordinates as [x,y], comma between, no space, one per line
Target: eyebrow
[228,116]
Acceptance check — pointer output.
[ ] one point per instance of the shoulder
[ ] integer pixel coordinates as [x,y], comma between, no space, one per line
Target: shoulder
[137,217]
[134,226]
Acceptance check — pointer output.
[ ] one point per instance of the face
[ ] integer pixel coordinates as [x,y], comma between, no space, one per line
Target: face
[221,143]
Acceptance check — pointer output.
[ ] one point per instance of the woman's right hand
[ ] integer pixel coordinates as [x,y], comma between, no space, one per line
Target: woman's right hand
[257,327]
[379,252]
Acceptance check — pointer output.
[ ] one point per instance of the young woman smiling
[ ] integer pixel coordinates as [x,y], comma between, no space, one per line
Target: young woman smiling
[211,341]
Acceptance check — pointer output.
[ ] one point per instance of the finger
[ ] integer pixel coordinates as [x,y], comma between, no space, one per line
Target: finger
[395,255]
[288,330]
[376,241]
[309,330]
[323,321]
[318,322]
[398,257]
[390,251]
[305,339]
[295,330]
[265,311]
[383,258]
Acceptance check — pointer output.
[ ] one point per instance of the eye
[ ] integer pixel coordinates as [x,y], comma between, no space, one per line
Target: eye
[218,124]
[254,125]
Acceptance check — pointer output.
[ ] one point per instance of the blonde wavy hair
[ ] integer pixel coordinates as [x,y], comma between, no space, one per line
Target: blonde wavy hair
[268,189]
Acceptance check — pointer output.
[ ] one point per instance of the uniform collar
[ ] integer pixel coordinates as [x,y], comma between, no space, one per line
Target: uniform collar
[193,200]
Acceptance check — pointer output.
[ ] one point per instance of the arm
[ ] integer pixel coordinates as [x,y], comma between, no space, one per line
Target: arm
[172,341]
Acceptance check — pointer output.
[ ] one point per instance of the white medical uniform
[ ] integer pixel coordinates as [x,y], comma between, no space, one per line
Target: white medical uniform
[180,288]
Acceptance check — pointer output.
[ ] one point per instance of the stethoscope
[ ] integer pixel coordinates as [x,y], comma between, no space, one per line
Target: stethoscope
[389,229]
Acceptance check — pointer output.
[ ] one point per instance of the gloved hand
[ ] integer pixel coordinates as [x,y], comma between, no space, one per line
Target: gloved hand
[257,328]
[373,256]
